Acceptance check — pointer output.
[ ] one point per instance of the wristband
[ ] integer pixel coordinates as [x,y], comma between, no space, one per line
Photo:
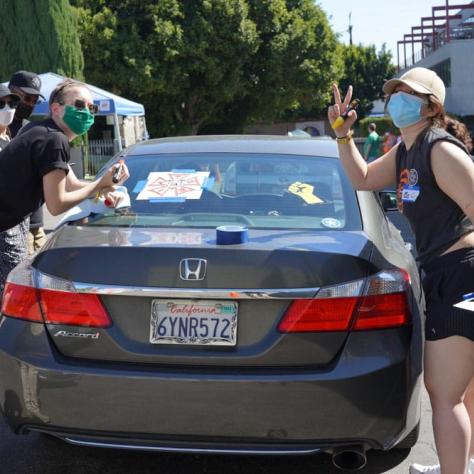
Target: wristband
[345,140]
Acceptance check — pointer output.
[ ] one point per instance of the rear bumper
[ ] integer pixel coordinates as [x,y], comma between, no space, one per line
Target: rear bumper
[373,401]
[189,445]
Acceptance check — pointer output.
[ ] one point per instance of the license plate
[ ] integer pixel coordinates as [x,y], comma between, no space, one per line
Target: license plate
[194,322]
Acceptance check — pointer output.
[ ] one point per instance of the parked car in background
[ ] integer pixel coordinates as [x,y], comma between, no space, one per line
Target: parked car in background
[247,301]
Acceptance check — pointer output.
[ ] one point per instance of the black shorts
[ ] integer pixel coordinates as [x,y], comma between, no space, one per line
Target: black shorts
[447,279]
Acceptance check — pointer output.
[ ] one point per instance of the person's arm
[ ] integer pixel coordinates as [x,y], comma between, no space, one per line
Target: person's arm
[72,182]
[62,192]
[454,173]
[377,175]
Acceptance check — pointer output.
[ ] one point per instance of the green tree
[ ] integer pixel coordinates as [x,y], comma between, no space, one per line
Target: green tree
[210,64]
[291,73]
[181,59]
[297,60]
[40,36]
[366,70]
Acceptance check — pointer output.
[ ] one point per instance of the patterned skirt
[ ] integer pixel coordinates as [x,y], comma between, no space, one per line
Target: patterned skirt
[13,249]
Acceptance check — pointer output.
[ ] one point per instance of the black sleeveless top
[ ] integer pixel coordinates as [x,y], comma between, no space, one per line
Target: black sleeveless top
[436,220]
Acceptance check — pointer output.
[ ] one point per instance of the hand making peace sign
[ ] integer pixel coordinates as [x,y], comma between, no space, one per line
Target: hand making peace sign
[334,111]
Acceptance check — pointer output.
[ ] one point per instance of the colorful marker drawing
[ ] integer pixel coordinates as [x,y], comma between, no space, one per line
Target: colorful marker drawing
[173,184]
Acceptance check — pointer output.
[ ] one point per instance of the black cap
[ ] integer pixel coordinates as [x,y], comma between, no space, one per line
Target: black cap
[27,82]
[5,92]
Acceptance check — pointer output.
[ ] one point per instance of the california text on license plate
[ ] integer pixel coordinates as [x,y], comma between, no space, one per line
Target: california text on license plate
[196,322]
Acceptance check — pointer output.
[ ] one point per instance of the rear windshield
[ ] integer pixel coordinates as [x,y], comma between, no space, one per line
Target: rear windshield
[262,191]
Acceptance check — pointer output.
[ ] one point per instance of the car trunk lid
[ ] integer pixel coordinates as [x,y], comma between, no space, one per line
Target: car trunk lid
[137,275]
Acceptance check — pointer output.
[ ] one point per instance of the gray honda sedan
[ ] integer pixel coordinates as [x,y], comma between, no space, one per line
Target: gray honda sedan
[243,299]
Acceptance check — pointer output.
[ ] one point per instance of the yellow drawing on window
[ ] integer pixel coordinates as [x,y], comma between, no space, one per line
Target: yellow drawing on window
[305,191]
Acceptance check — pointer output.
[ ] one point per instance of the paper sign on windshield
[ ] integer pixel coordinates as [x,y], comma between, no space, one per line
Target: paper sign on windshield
[173,184]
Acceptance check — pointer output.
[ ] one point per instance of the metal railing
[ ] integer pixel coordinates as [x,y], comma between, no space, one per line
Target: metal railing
[97,154]
[458,32]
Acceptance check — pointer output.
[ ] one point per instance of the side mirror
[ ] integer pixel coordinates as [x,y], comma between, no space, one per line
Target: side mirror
[388,200]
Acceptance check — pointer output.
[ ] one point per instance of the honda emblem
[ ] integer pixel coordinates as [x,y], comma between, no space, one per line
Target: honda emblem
[192,269]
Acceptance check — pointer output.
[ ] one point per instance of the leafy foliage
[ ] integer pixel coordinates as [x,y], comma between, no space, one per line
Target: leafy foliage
[366,70]
[211,65]
[40,36]
[181,59]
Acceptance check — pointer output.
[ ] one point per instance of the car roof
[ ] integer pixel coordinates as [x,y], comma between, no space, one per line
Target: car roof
[271,144]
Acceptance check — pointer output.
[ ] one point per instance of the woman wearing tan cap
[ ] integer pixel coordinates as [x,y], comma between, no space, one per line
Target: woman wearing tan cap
[434,175]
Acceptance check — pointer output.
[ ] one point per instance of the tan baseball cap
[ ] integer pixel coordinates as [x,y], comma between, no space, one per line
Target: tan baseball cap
[420,79]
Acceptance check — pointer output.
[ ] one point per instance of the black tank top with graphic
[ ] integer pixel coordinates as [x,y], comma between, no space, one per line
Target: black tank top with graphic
[436,220]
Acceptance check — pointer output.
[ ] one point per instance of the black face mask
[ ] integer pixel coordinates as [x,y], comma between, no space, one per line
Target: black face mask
[23,111]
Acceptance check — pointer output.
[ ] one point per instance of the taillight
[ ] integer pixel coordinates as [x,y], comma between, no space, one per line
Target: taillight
[318,315]
[374,303]
[21,302]
[50,300]
[74,309]
[20,298]
[382,311]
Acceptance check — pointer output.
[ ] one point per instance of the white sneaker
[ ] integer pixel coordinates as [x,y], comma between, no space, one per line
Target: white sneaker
[420,469]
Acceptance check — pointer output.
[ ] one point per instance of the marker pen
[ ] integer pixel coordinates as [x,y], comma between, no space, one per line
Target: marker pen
[340,120]
[118,170]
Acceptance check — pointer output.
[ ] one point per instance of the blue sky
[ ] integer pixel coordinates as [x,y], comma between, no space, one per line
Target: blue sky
[378,22]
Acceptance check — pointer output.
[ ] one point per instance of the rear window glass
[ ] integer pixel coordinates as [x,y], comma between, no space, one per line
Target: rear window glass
[264,191]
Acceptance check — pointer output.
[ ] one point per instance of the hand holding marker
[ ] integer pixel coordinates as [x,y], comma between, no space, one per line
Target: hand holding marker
[340,120]
[118,171]
[115,179]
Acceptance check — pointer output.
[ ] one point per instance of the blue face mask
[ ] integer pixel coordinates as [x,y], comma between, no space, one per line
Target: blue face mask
[405,109]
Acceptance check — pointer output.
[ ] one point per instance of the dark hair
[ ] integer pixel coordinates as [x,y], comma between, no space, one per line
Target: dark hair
[59,92]
[456,128]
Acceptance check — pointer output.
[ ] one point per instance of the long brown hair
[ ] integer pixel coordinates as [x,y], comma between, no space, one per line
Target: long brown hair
[459,130]
[456,128]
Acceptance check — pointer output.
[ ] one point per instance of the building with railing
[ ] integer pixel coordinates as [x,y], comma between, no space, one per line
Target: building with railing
[444,42]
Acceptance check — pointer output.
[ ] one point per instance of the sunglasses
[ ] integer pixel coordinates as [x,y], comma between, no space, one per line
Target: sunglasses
[81,105]
[30,99]
[12,103]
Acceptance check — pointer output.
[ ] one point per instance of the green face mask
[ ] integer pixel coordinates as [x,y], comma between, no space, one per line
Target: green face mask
[79,121]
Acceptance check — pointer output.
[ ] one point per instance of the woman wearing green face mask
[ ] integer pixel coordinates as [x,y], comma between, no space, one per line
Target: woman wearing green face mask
[34,168]
[434,175]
